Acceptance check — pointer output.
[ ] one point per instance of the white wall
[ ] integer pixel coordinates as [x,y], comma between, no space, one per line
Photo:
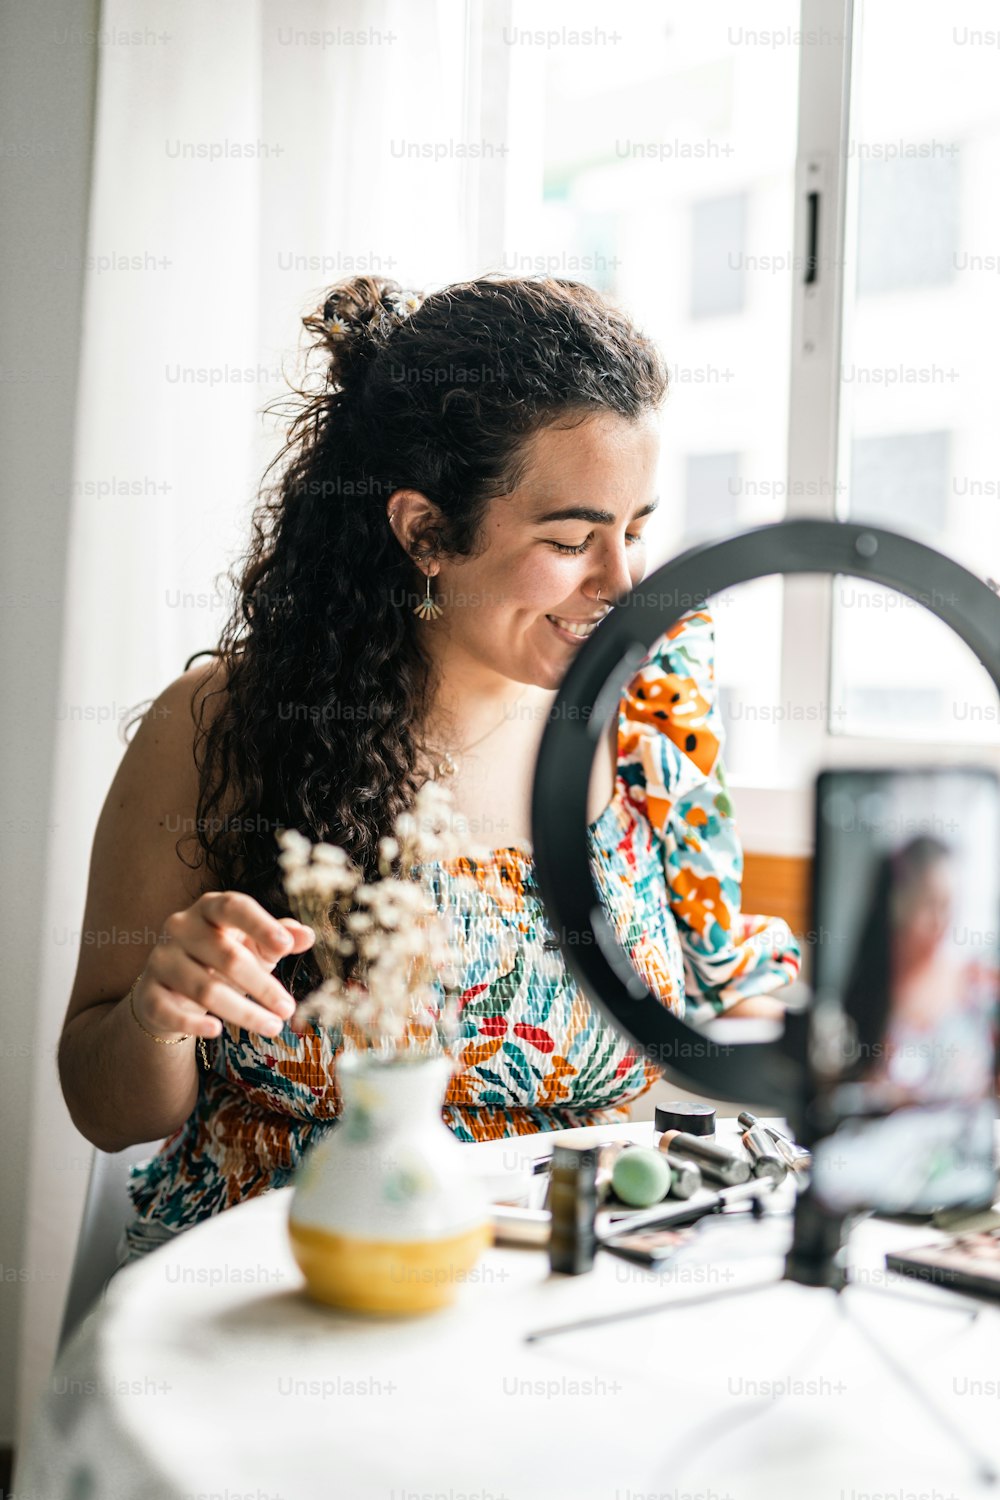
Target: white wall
[46,102]
[225,267]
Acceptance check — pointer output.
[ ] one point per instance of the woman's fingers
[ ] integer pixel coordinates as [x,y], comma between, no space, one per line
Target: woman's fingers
[235,963]
[303,938]
[230,932]
[233,909]
[216,962]
[179,982]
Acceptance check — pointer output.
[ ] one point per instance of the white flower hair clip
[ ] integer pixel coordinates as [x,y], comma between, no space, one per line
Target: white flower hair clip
[405,303]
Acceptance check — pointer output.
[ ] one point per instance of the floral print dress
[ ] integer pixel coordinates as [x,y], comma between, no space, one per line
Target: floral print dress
[533,1054]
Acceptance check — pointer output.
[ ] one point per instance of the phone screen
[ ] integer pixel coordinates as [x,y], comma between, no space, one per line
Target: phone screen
[906,910]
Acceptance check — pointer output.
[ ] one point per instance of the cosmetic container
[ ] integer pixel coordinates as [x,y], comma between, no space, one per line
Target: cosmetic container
[714,1161]
[684,1115]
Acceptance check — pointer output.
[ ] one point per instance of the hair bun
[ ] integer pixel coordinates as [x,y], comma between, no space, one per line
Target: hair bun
[355,320]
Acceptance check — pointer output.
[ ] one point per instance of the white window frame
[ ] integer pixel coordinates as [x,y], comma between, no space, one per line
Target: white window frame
[506,102]
[776,818]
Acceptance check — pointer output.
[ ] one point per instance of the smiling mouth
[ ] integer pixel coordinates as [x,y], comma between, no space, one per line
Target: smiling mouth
[580,628]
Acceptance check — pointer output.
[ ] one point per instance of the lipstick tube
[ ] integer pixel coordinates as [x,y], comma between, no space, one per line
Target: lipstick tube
[763,1154]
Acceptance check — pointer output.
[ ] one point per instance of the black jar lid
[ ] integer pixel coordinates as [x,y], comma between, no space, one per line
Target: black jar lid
[683,1114]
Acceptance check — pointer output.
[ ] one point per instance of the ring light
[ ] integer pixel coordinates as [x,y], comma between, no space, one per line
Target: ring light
[771,1074]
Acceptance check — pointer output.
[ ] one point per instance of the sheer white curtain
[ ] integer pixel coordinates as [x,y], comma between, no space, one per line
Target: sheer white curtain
[246,154]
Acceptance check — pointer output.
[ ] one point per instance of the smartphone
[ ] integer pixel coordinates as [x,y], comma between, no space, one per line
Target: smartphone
[903,1027]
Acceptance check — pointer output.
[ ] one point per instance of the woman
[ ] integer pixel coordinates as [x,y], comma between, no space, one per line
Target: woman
[922,1010]
[460,503]
[917,1091]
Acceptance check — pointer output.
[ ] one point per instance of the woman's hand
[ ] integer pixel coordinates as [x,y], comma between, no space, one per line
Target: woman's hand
[756,1007]
[215,965]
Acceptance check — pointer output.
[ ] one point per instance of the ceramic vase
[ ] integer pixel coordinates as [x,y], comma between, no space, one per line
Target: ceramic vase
[386,1214]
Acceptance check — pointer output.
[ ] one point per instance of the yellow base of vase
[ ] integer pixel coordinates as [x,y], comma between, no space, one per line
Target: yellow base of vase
[385,1276]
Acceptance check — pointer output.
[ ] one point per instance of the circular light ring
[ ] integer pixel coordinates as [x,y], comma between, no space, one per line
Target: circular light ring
[590,692]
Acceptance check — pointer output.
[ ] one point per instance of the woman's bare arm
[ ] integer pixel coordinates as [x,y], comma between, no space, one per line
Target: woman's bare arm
[120,1086]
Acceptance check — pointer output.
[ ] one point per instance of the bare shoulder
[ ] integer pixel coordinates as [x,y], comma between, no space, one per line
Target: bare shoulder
[158,772]
[137,876]
[173,713]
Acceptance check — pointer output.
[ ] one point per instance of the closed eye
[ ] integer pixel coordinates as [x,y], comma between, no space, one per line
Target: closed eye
[562,547]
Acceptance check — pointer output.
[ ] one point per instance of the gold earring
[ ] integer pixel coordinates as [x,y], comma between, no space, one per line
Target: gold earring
[428,608]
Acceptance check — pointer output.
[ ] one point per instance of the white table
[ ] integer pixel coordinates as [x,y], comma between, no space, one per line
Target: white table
[208,1373]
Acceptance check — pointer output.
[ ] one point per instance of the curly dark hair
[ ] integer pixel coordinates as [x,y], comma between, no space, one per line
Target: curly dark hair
[318,727]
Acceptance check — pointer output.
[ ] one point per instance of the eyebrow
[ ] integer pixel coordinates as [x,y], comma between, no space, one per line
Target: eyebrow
[592,514]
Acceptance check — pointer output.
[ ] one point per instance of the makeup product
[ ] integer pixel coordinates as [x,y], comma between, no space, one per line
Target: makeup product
[573,1202]
[641,1177]
[796,1158]
[747,1120]
[648,1247]
[525,1227]
[683,1114]
[713,1160]
[685,1176]
[763,1153]
[671,1215]
[608,1153]
[543,1163]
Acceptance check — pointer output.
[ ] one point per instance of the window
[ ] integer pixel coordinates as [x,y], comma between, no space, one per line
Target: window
[668,155]
[901,481]
[718,256]
[908,220]
[919,444]
[665,157]
[711,495]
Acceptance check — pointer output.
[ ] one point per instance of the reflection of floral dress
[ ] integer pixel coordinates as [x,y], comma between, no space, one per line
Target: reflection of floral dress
[534,1054]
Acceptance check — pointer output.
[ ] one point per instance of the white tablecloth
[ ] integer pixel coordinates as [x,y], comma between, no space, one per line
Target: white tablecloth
[207,1372]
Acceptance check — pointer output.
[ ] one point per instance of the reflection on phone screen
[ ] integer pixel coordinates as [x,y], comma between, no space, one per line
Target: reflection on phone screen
[907,912]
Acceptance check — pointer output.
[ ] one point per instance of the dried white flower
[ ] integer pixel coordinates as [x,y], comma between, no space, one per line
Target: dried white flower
[407,954]
[296,849]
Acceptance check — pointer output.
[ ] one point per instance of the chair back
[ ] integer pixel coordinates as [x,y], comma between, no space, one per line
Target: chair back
[106,1210]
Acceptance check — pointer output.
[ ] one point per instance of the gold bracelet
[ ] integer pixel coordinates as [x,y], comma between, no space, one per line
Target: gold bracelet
[162,1040]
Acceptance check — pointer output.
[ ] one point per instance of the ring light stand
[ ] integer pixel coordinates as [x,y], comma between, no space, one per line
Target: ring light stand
[771,1075]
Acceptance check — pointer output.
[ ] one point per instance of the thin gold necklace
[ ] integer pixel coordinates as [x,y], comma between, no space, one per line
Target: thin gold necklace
[448,766]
